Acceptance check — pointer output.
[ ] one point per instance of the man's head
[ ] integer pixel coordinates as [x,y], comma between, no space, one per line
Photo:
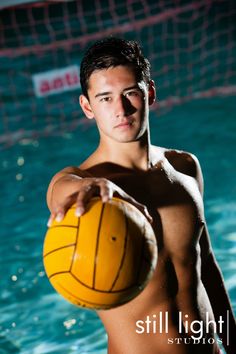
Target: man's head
[116,89]
[112,52]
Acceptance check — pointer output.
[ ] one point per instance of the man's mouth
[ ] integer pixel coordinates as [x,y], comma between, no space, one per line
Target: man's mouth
[125,123]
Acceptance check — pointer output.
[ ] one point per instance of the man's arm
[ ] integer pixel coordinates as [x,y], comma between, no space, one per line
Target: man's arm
[63,190]
[75,186]
[214,283]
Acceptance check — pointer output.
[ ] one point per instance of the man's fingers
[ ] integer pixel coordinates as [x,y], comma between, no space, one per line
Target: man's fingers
[98,187]
[58,216]
[84,195]
[60,211]
[106,193]
[90,188]
[144,210]
[50,220]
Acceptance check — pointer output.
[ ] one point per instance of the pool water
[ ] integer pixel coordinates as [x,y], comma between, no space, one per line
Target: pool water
[34,319]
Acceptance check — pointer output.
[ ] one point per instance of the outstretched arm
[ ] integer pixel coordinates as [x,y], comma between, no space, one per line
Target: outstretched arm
[73,185]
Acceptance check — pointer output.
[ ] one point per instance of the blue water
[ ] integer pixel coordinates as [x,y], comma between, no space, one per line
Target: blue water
[34,319]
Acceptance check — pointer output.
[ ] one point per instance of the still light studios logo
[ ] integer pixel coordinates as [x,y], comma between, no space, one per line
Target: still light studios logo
[198,328]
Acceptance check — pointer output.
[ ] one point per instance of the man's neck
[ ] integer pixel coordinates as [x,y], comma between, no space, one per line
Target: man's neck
[134,155]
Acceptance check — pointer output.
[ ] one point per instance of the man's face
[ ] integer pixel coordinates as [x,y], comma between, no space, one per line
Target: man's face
[118,103]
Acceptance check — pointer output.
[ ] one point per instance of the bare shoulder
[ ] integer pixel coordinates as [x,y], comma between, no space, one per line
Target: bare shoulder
[184,162]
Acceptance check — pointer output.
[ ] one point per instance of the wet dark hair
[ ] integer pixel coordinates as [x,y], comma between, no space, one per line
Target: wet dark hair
[111,52]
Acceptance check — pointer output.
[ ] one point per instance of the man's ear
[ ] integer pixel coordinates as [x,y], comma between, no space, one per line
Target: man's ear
[151,92]
[85,105]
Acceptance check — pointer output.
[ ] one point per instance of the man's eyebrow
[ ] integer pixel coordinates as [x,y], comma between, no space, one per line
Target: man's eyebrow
[132,87]
[109,92]
[103,94]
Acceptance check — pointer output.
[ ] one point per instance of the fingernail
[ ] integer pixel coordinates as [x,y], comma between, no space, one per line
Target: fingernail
[59,217]
[49,223]
[79,211]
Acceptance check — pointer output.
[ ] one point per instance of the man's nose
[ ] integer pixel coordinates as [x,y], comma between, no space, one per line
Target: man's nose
[123,107]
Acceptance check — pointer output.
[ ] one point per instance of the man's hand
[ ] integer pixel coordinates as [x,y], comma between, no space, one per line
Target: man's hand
[87,188]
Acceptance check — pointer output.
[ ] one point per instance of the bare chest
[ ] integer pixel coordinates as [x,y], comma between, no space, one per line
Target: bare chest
[173,199]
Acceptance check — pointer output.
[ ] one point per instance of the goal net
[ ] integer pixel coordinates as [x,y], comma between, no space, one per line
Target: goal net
[190,45]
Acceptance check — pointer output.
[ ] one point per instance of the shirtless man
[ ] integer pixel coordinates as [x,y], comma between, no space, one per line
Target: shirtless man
[166,185]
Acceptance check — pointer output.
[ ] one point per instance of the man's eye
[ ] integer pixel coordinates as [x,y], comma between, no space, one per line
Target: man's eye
[105,99]
[132,94]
